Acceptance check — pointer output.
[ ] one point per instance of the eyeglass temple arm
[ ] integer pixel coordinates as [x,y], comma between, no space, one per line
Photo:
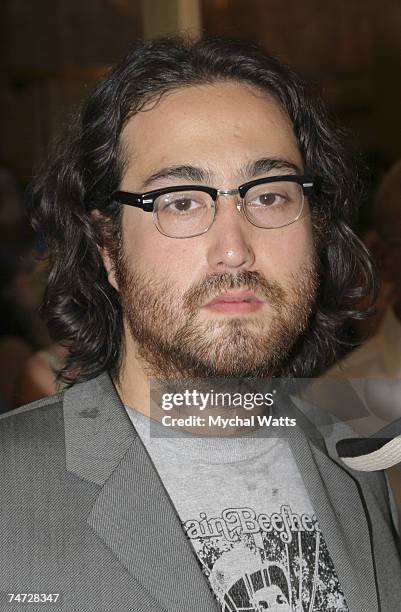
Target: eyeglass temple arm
[134,199]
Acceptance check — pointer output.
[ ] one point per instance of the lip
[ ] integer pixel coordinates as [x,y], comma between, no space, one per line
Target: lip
[235,302]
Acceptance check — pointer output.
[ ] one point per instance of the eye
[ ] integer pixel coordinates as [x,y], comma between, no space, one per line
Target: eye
[276,196]
[280,599]
[269,198]
[180,204]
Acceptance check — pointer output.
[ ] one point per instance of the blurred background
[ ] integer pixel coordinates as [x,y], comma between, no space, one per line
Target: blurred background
[53,51]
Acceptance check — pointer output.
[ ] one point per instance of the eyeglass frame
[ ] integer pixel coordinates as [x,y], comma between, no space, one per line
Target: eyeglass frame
[146,200]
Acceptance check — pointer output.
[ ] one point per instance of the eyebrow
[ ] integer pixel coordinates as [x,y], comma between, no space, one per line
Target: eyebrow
[184,172]
[200,175]
[267,164]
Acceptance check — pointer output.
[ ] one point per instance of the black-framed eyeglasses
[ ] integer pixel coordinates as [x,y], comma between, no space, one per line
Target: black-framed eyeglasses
[185,211]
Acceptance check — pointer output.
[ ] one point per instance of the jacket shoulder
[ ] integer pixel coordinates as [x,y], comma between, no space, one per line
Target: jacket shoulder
[32,406]
[33,430]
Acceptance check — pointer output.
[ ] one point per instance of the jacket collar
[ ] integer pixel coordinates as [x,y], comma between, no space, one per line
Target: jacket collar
[98,431]
[134,516]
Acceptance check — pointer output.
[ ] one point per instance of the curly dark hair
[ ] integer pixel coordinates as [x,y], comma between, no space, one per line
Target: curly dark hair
[82,309]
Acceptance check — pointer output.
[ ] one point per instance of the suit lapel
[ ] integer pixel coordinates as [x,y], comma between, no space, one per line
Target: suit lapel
[135,518]
[132,514]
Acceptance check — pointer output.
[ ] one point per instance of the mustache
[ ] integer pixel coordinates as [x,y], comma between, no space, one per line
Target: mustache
[215,284]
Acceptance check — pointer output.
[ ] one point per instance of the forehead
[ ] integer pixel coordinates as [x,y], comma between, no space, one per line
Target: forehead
[221,126]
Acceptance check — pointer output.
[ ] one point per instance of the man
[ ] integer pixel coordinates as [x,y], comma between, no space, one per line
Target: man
[198,227]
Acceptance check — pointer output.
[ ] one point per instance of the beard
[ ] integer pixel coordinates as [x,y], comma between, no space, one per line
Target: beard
[173,341]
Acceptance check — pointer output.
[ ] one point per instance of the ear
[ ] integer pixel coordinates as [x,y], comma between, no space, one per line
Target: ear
[109,266]
[104,254]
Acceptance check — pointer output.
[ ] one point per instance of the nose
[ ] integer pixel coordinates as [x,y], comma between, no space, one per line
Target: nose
[230,245]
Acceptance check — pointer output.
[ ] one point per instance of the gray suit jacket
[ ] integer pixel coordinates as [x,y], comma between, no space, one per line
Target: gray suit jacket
[84,514]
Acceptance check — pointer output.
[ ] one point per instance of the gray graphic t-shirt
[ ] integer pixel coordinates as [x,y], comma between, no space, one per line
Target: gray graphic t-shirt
[247,514]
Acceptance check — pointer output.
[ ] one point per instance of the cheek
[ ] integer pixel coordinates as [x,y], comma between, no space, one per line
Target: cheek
[286,251]
[157,256]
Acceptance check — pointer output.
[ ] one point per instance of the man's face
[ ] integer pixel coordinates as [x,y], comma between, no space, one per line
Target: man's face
[167,285]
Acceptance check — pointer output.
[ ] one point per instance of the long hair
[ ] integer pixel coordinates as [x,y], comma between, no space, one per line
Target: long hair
[82,309]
